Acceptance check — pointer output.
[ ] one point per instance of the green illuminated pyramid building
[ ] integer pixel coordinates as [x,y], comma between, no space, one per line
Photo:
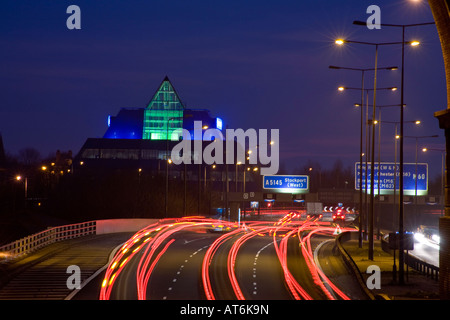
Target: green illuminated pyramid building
[163,116]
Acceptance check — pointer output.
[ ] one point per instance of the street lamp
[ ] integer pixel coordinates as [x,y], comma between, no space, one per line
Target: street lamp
[20,178]
[166,200]
[401,211]
[397,137]
[379,142]
[443,152]
[372,123]
[417,122]
[342,88]
[415,179]
[236,175]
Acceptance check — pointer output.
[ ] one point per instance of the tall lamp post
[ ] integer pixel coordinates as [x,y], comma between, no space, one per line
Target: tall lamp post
[236,174]
[379,157]
[362,70]
[416,178]
[166,198]
[372,176]
[401,209]
[397,137]
[20,178]
[443,152]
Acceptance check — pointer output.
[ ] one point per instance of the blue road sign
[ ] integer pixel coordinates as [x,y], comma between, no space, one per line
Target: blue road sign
[286,184]
[388,178]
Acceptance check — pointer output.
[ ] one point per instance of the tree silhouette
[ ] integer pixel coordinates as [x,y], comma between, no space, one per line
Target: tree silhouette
[29,156]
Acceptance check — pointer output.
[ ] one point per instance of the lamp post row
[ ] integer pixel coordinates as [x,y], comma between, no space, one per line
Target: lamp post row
[401,211]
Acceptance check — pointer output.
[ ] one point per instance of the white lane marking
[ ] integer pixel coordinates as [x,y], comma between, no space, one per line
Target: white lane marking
[255,287]
[189,241]
[174,280]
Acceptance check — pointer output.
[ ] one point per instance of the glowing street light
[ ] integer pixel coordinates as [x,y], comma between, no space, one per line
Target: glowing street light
[341,42]
[236,174]
[342,88]
[443,153]
[417,148]
[20,178]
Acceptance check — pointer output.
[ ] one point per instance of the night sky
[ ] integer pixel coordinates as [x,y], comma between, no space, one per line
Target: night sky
[256,64]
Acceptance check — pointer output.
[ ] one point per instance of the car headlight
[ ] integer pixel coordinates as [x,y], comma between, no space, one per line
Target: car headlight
[419,237]
[436,238]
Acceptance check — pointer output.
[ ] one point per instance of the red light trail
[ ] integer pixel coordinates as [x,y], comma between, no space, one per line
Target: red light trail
[151,243]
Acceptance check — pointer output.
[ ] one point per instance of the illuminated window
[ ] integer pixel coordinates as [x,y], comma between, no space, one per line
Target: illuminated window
[163,117]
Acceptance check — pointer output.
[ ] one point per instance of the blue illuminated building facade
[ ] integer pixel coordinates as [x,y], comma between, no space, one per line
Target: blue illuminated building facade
[144,137]
[163,119]
[127,124]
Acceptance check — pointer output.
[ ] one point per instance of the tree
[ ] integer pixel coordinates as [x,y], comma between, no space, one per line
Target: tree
[29,156]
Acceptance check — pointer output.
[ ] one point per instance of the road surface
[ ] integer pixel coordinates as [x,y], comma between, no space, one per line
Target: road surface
[198,259]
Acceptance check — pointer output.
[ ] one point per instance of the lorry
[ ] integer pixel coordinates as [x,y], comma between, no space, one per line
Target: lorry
[314,210]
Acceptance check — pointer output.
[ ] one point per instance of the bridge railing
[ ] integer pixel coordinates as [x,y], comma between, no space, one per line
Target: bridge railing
[41,239]
[44,238]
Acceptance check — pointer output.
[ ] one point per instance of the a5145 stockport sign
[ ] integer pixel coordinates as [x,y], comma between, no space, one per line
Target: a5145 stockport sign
[286,184]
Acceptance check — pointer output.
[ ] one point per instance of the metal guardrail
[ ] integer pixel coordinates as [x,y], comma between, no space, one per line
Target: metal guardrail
[423,267]
[44,238]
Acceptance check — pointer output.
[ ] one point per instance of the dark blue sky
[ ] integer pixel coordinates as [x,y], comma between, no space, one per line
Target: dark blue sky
[256,64]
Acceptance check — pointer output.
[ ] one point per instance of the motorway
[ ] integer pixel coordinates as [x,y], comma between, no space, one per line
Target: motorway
[285,257]
[206,259]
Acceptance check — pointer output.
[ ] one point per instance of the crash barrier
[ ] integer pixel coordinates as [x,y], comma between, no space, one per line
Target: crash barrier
[44,238]
[347,236]
[425,268]
[51,235]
